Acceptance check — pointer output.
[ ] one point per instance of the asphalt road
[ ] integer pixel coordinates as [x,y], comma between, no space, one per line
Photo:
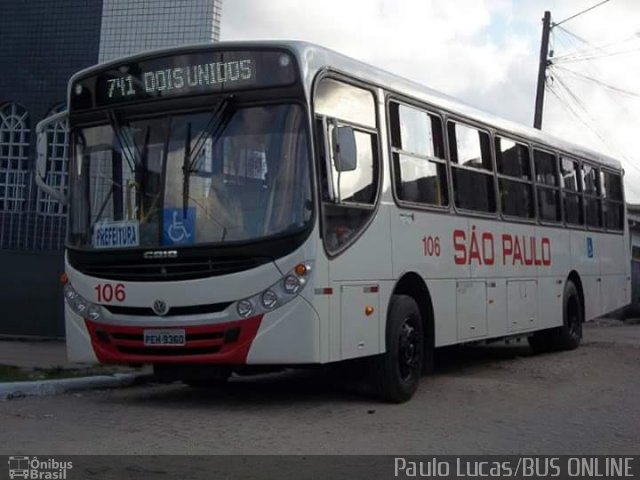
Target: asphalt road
[495,399]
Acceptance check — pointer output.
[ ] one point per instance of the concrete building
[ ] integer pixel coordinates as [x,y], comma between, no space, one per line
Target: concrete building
[42,43]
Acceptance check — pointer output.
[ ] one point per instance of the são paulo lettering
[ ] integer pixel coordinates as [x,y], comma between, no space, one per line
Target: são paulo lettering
[485,248]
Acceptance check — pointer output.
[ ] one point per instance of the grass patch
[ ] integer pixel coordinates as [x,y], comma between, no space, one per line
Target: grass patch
[9,373]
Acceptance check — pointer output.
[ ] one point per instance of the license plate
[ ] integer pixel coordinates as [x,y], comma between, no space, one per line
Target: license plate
[164,338]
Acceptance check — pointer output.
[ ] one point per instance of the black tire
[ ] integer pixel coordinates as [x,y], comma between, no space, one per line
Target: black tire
[396,373]
[569,335]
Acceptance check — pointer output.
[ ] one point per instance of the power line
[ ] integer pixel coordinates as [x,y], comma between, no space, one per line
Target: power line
[598,82]
[601,55]
[582,12]
[568,32]
[589,124]
[595,48]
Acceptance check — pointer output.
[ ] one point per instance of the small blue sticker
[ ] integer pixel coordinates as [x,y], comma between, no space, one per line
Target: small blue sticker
[589,247]
[178,229]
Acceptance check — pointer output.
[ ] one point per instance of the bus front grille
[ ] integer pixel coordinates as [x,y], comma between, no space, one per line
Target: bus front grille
[173,311]
[163,270]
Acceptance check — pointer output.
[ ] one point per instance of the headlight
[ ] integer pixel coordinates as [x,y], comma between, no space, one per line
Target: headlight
[94,312]
[80,306]
[291,284]
[245,308]
[269,299]
[278,294]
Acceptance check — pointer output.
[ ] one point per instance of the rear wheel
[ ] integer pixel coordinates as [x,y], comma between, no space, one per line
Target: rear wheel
[396,373]
[569,335]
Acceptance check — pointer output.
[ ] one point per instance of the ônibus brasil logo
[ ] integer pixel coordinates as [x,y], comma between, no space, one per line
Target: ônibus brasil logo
[36,469]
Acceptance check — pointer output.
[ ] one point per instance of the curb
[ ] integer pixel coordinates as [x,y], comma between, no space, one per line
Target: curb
[40,388]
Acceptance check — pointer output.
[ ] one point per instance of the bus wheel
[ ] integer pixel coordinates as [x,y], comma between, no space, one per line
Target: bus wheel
[569,335]
[396,373]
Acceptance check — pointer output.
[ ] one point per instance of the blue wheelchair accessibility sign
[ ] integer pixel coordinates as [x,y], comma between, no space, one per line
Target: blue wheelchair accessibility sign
[178,229]
[589,247]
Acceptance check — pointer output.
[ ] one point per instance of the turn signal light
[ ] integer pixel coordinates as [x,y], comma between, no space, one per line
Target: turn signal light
[301,269]
[64,279]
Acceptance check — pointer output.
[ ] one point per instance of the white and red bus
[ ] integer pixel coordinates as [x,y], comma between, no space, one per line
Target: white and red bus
[280,204]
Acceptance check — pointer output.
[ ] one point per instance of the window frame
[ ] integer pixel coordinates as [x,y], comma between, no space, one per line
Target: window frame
[622,202]
[532,143]
[588,196]
[577,193]
[555,188]
[15,125]
[481,128]
[395,174]
[322,163]
[500,176]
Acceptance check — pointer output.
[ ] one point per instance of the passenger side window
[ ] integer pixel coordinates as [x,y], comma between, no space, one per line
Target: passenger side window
[613,203]
[471,168]
[417,146]
[592,202]
[570,170]
[349,191]
[548,183]
[514,178]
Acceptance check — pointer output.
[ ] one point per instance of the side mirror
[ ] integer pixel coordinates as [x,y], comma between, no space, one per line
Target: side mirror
[345,153]
[42,160]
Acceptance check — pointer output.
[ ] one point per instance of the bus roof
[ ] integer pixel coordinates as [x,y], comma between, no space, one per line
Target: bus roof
[315,58]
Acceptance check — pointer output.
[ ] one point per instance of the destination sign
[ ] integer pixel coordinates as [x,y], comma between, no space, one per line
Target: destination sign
[186,74]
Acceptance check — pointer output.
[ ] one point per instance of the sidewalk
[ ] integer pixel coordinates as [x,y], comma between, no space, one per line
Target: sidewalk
[39,354]
[40,367]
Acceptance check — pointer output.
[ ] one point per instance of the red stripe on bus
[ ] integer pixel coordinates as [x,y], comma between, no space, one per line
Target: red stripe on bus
[224,343]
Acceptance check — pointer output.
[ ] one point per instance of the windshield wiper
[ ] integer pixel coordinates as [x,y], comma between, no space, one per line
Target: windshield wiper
[125,146]
[219,120]
[186,166]
[214,128]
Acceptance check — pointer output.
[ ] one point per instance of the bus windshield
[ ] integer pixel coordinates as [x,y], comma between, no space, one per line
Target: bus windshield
[224,175]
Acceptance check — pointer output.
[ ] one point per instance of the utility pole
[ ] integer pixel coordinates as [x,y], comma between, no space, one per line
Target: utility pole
[542,69]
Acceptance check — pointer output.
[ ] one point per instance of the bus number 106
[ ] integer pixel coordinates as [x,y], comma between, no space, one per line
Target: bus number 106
[107,292]
[431,246]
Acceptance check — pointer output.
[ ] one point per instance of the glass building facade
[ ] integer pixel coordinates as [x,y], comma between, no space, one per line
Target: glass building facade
[42,43]
[129,26]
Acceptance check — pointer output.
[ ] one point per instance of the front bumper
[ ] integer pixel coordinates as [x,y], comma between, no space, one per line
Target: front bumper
[287,335]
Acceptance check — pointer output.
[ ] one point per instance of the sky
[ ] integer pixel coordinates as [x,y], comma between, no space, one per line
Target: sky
[485,52]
